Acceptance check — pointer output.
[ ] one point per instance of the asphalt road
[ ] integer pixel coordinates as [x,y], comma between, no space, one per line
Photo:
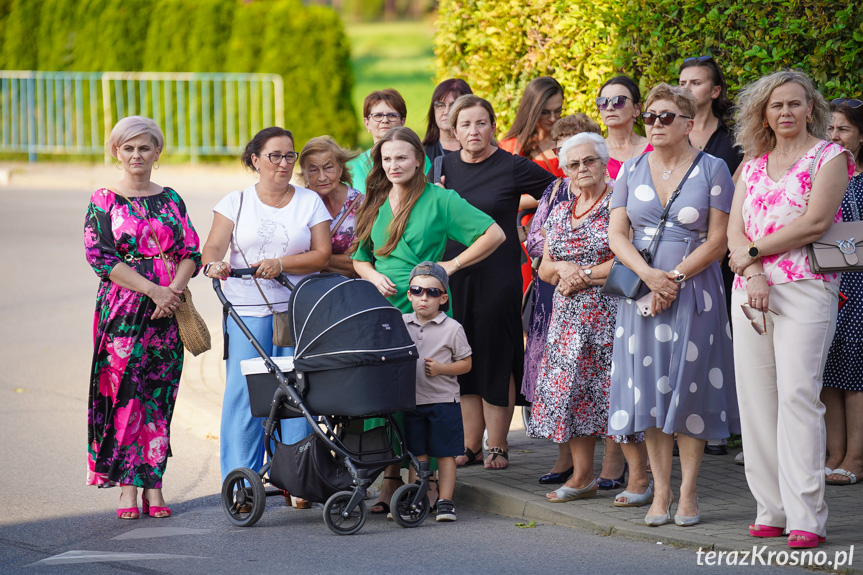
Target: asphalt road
[50,522]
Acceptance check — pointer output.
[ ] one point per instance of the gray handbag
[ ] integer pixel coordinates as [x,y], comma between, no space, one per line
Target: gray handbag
[836,250]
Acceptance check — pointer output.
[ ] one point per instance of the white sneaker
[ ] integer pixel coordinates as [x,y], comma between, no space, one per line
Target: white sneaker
[738,459]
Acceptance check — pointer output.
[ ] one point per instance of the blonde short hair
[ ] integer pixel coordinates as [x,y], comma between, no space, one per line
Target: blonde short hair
[132,127]
[751,134]
[327,145]
[682,98]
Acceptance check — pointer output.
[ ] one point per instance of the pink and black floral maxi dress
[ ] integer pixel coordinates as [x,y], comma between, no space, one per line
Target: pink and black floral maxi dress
[137,361]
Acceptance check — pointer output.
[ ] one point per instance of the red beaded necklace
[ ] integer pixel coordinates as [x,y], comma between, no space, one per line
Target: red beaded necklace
[587,211]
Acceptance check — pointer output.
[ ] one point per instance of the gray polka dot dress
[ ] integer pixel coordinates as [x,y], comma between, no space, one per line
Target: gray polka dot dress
[844,369]
[675,371]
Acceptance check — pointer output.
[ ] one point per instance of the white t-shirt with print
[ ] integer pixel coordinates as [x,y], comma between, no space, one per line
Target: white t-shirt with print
[267,232]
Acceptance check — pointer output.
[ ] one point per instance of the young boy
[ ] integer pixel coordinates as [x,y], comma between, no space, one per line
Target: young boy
[434,429]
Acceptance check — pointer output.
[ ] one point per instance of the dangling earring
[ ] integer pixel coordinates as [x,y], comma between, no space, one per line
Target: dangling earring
[119,165]
[809,119]
[156,165]
[765,123]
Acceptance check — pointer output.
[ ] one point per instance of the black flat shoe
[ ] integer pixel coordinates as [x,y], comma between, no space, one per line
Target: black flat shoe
[555,478]
[609,484]
[715,450]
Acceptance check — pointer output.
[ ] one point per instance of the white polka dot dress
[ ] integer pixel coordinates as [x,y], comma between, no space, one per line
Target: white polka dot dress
[844,369]
[675,371]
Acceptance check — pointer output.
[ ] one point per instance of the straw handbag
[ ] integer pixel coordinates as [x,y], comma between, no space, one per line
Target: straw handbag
[193,330]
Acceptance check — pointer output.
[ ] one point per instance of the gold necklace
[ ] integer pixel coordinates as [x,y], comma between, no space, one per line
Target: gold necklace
[279,205]
[781,153]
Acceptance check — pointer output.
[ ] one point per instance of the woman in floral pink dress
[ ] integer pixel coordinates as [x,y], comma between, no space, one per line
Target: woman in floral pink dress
[137,355]
[784,315]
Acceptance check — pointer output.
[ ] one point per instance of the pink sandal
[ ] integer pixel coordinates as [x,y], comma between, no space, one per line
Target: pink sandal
[130,510]
[154,510]
[808,540]
[758,530]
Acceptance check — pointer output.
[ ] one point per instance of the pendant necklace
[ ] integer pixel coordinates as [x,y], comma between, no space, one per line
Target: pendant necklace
[666,174]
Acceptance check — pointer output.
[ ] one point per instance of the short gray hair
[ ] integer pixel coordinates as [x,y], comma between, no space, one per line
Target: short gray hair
[584,138]
[132,127]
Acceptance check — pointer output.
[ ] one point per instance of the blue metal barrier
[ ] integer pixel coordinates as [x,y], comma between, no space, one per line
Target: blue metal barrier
[73,112]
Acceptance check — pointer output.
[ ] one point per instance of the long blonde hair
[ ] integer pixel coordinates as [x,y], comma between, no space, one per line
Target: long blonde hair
[378,189]
[751,134]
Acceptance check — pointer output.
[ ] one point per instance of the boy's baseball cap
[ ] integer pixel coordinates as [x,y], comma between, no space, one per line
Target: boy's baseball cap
[436,271]
[431,269]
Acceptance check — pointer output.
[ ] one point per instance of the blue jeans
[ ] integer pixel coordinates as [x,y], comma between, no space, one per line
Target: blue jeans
[242,436]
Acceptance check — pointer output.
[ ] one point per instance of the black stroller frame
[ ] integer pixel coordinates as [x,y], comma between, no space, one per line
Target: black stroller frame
[243,494]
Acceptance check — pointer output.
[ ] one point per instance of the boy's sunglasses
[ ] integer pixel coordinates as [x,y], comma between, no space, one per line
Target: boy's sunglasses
[617,102]
[418,291]
[664,118]
[850,102]
[752,315]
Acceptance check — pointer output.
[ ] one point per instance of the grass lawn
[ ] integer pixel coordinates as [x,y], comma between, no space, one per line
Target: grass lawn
[393,55]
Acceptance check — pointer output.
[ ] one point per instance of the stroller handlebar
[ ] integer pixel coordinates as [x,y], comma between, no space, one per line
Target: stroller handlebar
[248,273]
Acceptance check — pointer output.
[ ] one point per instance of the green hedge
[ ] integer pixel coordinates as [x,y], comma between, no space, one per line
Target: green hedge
[500,46]
[306,45]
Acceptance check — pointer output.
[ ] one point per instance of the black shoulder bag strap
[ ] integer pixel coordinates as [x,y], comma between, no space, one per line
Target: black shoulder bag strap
[438,169]
[650,250]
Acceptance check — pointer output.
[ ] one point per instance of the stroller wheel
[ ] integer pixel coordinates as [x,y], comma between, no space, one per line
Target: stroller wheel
[243,497]
[405,513]
[335,510]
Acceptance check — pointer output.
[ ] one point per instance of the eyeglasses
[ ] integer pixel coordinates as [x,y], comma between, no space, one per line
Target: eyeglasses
[698,59]
[418,291]
[291,157]
[617,102]
[379,117]
[752,315]
[586,162]
[851,103]
[665,118]
[442,105]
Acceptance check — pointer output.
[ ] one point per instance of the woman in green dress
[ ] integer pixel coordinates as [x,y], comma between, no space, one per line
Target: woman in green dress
[405,220]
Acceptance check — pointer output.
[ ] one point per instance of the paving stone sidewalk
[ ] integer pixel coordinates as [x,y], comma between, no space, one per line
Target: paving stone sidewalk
[727,507]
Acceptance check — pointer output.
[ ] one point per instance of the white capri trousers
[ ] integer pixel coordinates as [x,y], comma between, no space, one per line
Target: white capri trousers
[779,378]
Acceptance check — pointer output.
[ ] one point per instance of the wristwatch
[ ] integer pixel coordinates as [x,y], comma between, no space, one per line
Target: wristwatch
[680,277]
[207,267]
[753,251]
[587,271]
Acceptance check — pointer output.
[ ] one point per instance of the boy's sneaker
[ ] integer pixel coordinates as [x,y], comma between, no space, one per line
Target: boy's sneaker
[445,510]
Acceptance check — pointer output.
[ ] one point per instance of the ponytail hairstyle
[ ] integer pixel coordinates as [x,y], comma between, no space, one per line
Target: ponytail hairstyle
[378,188]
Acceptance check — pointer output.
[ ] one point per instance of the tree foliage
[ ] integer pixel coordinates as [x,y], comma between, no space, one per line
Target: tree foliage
[306,45]
[500,46]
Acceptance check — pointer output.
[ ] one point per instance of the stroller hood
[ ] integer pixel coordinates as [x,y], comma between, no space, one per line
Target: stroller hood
[338,322]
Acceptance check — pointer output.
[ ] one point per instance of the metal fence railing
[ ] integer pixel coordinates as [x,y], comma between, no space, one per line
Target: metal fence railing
[73,112]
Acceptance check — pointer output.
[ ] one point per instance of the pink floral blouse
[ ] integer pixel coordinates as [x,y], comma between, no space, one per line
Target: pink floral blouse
[769,206]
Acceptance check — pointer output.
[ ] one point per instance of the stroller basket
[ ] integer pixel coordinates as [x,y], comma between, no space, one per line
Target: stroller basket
[309,470]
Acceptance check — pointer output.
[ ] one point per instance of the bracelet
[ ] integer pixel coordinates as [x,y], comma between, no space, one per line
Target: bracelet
[754,275]
[457,265]
[281,267]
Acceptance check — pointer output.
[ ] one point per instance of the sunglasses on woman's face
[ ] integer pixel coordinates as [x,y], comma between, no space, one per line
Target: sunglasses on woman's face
[752,315]
[850,102]
[418,291]
[664,118]
[617,102]
[587,162]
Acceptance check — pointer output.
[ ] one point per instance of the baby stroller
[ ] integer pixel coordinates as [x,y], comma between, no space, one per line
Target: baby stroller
[354,359]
